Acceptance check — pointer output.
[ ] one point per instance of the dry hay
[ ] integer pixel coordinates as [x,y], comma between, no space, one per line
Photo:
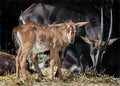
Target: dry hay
[69,79]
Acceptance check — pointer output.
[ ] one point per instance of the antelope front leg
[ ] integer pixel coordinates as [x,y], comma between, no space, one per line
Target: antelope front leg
[58,63]
[52,63]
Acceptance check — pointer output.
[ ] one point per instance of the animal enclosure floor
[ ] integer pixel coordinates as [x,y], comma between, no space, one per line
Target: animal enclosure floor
[69,79]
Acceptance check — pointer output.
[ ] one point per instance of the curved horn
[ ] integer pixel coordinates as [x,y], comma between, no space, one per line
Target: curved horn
[101,36]
[97,58]
[110,30]
[28,8]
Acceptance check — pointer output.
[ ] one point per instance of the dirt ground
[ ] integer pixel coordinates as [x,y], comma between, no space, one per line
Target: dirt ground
[69,79]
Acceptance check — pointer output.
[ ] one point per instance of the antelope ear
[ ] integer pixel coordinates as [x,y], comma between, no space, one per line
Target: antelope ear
[86,40]
[79,24]
[112,41]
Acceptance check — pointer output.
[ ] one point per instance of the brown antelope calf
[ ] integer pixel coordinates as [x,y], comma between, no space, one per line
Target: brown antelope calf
[33,39]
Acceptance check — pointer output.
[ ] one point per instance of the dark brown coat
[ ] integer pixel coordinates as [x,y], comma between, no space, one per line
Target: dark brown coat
[7,63]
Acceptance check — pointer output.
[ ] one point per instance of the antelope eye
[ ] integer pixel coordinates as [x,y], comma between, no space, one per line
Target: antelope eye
[68,30]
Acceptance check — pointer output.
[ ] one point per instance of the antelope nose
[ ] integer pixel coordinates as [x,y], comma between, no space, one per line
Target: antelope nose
[72,42]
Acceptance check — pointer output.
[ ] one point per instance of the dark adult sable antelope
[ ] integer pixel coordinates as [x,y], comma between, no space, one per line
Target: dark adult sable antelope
[33,39]
[111,59]
[98,45]
[7,63]
[40,13]
[76,56]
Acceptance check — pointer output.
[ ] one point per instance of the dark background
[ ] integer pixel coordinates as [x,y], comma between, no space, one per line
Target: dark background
[11,9]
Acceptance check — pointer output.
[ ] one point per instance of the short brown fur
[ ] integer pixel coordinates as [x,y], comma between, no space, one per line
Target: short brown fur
[33,39]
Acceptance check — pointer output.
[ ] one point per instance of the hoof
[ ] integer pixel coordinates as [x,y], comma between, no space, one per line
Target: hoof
[51,78]
[41,76]
[24,78]
[38,79]
[18,82]
[61,78]
[21,81]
